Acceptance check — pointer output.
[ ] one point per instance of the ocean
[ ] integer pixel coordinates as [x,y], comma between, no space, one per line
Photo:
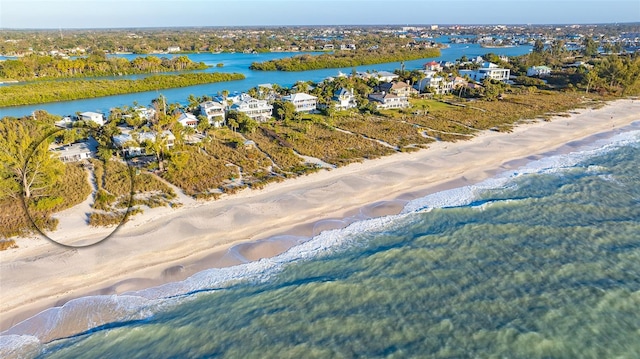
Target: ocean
[542,260]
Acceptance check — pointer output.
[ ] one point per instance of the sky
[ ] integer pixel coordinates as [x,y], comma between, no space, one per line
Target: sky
[173,13]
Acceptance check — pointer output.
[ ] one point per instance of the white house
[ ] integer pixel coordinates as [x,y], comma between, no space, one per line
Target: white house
[214,111]
[302,101]
[258,110]
[145,112]
[344,99]
[429,81]
[348,47]
[131,145]
[65,122]
[93,117]
[363,75]
[386,100]
[187,119]
[77,151]
[386,76]
[488,70]
[540,71]
[173,49]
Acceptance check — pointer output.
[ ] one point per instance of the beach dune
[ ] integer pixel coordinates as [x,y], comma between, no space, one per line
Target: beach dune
[165,244]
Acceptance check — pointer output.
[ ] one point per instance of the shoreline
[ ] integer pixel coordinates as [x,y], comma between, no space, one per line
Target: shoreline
[150,250]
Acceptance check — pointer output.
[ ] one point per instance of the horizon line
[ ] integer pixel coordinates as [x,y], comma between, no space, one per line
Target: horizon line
[317,25]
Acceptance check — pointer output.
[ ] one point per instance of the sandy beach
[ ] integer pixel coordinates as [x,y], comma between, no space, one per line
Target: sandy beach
[165,244]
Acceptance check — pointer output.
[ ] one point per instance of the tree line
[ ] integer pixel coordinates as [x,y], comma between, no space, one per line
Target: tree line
[342,59]
[53,91]
[37,67]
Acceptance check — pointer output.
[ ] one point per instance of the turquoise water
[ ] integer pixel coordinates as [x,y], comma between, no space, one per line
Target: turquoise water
[538,262]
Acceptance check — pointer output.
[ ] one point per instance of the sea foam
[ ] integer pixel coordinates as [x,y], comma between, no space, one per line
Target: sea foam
[463,196]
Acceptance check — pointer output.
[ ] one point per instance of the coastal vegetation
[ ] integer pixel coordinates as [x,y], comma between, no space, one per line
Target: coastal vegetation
[32,178]
[52,91]
[38,67]
[121,192]
[343,59]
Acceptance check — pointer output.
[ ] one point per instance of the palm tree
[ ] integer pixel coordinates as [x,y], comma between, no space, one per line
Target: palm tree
[193,103]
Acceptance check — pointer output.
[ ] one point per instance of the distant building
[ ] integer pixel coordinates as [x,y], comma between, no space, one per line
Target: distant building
[173,49]
[93,117]
[214,111]
[302,101]
[145,112]
[65,122]
[386,76]
[432,66]
[540,71]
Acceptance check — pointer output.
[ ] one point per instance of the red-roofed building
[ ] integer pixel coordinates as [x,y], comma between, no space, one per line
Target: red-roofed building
[432,66]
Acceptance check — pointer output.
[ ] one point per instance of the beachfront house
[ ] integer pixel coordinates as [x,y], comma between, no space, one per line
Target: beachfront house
[488,70]
[540,71]
[344,99]
[399,88]
[214,112]
[303,102]
[258,110]
[131,144]
[455,82]
[94,117]
[385,100]
[431,83]
[77,151]
[187,119]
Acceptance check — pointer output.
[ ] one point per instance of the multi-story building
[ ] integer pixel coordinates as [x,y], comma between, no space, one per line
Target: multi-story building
[258,110]
[214,112]
[488,70]
[92,117]
[386,100]
[302,101]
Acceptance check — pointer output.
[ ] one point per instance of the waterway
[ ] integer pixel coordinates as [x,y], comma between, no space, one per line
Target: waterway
[237,62]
